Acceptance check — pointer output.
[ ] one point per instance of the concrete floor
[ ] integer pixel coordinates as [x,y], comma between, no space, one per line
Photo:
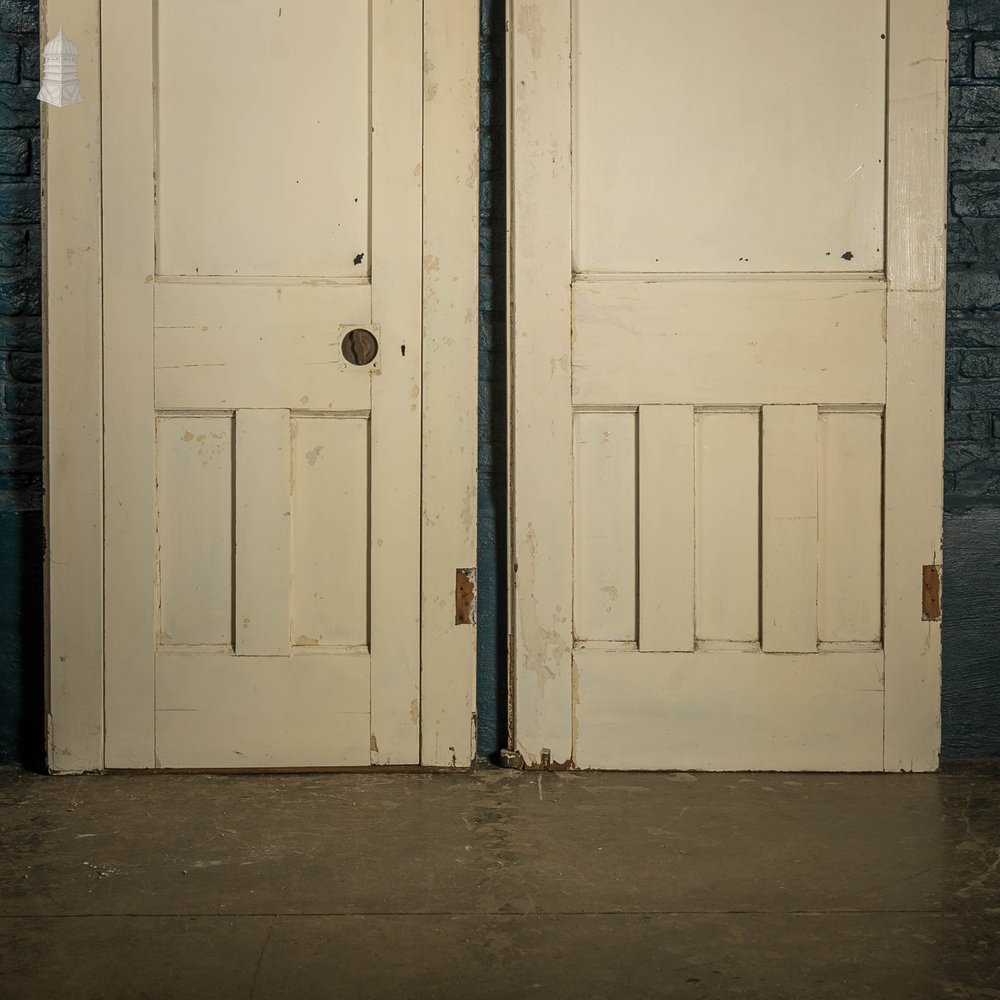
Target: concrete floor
[500,884]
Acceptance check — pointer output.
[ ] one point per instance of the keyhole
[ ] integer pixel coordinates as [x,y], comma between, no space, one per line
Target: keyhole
[359,347]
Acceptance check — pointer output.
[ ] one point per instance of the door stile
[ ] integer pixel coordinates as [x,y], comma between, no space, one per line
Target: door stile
[914,444]
[396,226]
[73,455]
[129,427]
[450,353]
[542,426]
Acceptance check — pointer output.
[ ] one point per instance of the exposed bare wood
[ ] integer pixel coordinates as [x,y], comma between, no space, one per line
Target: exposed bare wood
[932,593]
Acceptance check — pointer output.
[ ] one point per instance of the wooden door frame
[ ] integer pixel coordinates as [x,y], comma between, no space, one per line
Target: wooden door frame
[74,381]
[543,681]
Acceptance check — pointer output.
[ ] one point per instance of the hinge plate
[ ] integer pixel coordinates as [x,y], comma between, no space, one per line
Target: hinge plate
[932,594]
[465,596]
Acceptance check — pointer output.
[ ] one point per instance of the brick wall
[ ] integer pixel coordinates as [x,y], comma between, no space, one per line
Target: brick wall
[970,697]
[21,603]
[20,267]
[972,462]
[491,660]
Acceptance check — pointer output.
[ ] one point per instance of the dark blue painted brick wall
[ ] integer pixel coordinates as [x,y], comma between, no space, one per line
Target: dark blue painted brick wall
[972,464]
[970,709]
[21,614]
[491,671]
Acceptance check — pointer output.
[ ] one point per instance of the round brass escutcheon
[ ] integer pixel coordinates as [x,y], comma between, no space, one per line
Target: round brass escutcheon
[359,347]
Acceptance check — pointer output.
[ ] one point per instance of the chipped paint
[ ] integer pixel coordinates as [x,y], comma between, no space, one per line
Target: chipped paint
[529,27]
[540,645]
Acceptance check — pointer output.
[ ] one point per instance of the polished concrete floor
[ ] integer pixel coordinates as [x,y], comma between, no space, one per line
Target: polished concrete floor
[500,884]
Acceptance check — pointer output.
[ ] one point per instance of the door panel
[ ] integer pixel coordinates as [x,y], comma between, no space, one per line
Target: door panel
[194,526]
[262,199]
[329,521]
[703,339]
[769,121]
[263,138]
[604,531]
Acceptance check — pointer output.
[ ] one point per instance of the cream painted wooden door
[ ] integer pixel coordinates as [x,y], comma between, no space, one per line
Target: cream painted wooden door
[262,200]
[727,333]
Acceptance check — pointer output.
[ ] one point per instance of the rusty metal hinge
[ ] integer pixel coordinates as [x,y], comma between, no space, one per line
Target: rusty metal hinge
[932,594]
[465,596]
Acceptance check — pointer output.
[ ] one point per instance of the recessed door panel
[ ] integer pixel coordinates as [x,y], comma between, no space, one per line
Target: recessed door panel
[729,136]
[263,138]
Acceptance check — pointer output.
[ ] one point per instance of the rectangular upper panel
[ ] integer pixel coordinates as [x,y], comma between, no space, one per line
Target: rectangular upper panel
[729,136]
[263,137]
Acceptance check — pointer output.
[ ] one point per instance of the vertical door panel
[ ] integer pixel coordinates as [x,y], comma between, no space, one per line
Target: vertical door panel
[194,528]
[329,531]
[850,527]
[727,504]
[263,532]
[788,529]
[666,528]
[604,510]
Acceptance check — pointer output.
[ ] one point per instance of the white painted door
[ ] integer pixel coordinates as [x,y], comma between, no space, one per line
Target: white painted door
[262,308]
[727,333]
